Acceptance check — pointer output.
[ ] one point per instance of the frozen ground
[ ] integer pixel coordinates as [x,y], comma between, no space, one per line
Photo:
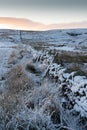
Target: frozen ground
[6,49]
[69,38]
[43,80]
[68,46]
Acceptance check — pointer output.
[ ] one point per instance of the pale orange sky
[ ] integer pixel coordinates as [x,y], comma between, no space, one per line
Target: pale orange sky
[26,24]
[44,11]
[20,23]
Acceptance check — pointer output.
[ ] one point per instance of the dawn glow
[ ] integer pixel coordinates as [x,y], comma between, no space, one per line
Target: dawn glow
[44,11]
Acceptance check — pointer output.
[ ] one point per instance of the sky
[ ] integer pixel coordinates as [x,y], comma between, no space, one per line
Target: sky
[45,11]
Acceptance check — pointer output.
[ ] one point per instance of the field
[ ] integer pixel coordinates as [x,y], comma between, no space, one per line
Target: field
[43,80]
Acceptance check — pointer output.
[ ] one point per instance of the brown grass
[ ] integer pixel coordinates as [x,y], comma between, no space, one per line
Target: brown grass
[67,57]
[13,58]
[18,83]
[18,80]
[10,103]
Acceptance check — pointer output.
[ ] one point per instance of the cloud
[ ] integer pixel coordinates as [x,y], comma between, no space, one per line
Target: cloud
[16,23]
[20,23]
[47,11]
